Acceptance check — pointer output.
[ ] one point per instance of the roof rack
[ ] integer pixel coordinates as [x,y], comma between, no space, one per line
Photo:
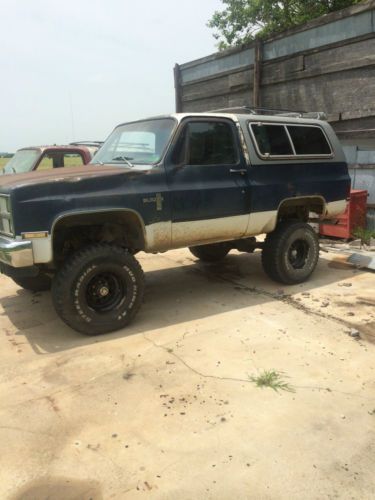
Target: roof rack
[86,143]
[318,115]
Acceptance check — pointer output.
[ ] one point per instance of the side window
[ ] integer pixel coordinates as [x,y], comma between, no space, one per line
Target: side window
[210,143]
[49,161]
[59,159]
[272,140]
[290,140]
[309,140]
[73,160]
[46,163]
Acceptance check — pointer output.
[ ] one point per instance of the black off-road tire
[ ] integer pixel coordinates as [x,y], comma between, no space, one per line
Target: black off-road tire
[290,253]
[78,288]
[210,253]
[40,283]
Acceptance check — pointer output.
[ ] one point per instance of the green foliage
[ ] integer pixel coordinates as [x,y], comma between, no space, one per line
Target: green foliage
[243,20]
[272,379]
[3,162]
[364,235]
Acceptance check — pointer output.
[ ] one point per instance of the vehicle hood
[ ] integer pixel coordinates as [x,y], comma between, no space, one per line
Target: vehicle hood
[37,199]
[10,181]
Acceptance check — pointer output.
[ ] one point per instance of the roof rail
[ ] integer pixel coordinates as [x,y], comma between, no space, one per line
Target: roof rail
[318,115]
[86,143]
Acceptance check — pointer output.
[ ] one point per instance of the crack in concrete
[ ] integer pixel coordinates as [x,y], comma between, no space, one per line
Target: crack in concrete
[189,367]
[242,380]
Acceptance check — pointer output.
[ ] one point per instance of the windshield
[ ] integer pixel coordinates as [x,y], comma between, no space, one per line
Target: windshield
[22,161]
[141,143]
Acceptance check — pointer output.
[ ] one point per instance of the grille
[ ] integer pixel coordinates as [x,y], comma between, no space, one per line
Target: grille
[6,223]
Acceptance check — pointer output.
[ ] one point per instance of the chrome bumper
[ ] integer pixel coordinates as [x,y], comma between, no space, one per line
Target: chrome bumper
[16,253]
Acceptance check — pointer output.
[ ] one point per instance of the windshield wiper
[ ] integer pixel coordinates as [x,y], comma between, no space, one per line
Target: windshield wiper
[125,159]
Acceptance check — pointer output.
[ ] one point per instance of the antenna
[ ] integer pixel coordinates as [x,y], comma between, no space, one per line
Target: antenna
[72,116]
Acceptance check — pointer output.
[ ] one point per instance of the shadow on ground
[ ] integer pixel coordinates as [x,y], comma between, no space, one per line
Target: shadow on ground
[181,290]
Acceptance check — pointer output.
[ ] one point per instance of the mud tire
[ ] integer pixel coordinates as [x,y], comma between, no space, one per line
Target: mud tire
[99,289]
[290,253]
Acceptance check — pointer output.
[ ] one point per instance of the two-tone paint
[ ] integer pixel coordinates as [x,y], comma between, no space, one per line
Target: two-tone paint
[180,205]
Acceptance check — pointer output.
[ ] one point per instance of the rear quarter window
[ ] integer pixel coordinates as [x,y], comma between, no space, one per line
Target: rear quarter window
[272,139]
[278,140]
[309,140]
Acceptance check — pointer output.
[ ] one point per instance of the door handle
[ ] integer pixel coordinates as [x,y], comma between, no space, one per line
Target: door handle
[241,171]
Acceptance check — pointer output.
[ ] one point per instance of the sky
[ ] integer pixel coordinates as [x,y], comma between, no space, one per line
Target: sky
[73,70]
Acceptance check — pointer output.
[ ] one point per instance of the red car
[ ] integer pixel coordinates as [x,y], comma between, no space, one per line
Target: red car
[48,157]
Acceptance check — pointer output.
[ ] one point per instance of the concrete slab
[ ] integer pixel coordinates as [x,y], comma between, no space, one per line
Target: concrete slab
[167,409]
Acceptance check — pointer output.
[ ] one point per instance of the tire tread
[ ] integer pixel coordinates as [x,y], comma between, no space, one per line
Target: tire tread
[273,249]
[69,267]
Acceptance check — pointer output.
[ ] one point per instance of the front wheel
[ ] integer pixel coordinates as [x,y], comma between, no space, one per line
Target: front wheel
[290,253]
[99,289]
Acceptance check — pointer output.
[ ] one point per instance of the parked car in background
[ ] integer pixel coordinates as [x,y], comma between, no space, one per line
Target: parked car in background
[48,157]
[96,144]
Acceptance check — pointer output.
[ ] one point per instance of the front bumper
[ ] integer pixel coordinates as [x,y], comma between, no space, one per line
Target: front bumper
[16,253]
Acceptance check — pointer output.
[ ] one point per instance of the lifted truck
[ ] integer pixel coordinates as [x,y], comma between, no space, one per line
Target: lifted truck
[207,181]
[48,157]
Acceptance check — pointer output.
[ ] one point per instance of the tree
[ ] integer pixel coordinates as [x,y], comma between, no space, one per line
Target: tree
[243,20]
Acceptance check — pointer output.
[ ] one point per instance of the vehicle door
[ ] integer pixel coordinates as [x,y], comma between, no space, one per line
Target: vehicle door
[208,182]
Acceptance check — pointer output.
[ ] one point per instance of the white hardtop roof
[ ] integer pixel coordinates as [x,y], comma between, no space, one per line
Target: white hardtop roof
[272,118]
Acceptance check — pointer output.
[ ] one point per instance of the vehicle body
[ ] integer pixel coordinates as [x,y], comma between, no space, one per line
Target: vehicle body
[48,157]
[93,144]
[207,181]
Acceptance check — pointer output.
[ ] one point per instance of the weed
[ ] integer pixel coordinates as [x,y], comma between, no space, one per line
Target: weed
[364,235]
[272,379]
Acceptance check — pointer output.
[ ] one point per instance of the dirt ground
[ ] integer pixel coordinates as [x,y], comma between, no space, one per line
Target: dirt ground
[168,408]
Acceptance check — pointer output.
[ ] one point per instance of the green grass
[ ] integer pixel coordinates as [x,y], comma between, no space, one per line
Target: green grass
[3,162]
[364,235]
[273,380]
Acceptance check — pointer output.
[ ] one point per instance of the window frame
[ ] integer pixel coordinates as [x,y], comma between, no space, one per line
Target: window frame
[198,119]
[164,153]
[47,152]
[294,156]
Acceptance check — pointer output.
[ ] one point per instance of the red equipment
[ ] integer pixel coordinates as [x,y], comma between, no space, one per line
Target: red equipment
[354,217]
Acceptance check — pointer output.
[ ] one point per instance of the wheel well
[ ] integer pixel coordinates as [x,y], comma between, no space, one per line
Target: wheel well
[73,231]
[300,208]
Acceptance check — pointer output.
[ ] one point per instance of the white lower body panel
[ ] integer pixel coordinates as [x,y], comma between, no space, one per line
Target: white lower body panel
[335,208]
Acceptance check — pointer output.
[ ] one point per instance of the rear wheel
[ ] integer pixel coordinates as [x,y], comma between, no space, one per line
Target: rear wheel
[291,252]
[210,253]
[99,289]
[40,283]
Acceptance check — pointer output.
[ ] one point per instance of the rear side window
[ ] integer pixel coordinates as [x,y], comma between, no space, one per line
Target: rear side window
[73,160]
[289,140]
[272,139]
[309,140]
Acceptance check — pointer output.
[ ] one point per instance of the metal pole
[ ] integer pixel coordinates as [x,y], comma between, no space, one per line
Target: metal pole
[257,102]
[177,87]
